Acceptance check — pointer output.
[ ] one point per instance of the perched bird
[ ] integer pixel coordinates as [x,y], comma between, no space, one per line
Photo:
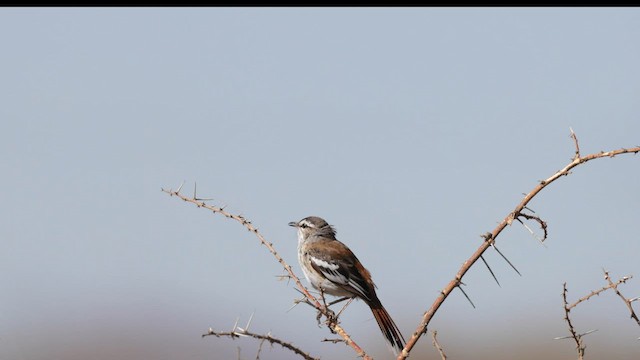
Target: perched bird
[331,267]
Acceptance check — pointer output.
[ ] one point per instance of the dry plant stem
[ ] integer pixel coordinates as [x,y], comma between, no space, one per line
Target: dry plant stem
[331,321]
[516,213]
[580,348]
[597,292]
[626,301]
[436,344]
[241,332]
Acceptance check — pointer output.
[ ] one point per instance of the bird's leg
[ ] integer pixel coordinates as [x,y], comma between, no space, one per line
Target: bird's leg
[330,315]
[324,302]
[325,307]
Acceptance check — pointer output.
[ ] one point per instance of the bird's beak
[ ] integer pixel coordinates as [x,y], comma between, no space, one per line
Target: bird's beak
[293,223]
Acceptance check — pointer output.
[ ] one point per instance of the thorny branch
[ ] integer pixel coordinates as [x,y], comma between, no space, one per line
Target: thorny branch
[490,238]
[627,302]
[456,282]
[605,288]
[331,320]
[580,347]
[238,332]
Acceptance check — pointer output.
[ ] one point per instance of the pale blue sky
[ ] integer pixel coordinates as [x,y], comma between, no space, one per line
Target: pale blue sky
[413,131]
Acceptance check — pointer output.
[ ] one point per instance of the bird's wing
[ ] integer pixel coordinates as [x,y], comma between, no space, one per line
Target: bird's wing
[337,265]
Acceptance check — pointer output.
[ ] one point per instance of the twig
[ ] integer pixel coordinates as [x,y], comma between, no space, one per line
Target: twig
[580,348]
[436,344]
[626,301]
[331,322]
[335,341]
[597,292]
[239,332]
[575,142]
[577,160]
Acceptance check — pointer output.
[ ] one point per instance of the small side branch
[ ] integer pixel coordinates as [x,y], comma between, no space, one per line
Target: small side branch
[436,344]
[599,291]
[575,142]
[627,301]
[580,348]
[239,332]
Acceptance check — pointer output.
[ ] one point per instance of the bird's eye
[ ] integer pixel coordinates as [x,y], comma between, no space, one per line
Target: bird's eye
[304,225]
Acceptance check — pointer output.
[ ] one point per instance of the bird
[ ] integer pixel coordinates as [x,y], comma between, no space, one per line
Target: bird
[332,268]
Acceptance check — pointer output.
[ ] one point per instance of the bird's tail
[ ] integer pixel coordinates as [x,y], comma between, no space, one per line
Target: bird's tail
[389,328]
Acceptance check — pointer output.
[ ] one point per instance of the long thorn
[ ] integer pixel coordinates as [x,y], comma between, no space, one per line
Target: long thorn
[467,296]
[491,271]
[505,259]
[195,187]
[295,303]
[180,187]
[249,322]
[579,335]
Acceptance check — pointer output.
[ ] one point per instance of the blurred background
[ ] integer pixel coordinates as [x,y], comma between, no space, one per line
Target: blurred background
[413,131]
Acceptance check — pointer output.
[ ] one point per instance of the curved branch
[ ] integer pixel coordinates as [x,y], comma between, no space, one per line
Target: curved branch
[490,239]
[331,321]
